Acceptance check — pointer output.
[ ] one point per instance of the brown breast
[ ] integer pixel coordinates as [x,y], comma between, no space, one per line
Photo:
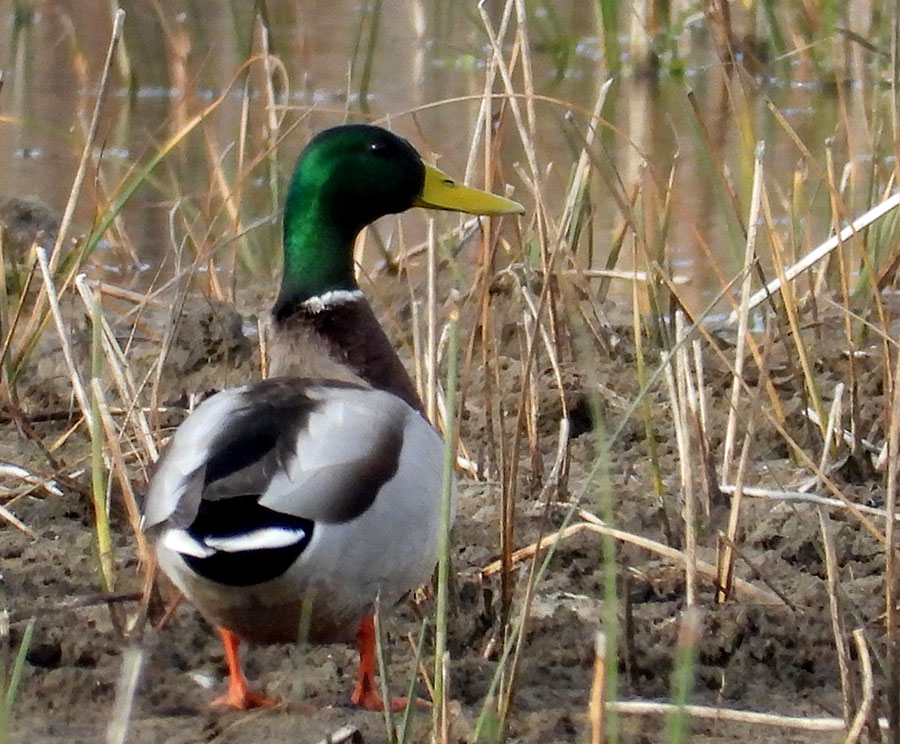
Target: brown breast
[339,342]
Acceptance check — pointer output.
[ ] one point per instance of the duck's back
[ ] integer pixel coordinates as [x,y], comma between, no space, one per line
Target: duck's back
[302,497]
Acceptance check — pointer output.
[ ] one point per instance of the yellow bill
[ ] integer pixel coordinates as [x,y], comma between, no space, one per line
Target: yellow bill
[443,192]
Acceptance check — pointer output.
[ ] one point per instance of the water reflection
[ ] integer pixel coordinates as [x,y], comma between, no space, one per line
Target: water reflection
[330,61]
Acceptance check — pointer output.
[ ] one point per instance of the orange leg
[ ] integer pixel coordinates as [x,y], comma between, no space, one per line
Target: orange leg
[239,694]
[365,695]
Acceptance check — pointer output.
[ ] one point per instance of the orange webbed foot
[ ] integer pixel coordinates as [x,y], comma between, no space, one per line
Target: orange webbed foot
[365,694]
[243,699]
[239,695]
[371,700]
[367,699]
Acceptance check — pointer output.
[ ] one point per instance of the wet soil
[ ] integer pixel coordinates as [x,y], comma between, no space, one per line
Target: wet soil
[773,657]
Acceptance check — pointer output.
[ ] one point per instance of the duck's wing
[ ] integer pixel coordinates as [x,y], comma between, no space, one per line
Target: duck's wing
[255,468]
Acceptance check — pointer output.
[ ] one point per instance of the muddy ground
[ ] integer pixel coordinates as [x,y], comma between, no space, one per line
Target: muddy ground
[773,658]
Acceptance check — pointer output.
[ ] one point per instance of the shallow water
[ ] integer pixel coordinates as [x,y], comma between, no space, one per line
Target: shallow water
[419,66]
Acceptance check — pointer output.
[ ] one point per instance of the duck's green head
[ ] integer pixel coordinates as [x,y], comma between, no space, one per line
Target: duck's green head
[346,178]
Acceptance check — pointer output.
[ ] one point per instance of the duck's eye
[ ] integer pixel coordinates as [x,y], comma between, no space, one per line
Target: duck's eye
[378,148]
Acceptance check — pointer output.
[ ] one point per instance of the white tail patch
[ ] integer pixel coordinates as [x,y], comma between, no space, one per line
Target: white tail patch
[181,541]
[260,539]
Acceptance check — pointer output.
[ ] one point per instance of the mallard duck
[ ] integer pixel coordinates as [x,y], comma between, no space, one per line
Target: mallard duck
[286,507]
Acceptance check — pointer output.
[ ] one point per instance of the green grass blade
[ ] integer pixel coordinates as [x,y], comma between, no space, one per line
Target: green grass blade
[12,684]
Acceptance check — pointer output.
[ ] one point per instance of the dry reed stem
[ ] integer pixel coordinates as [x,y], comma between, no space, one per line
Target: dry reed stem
[890,560]
[444,728]
[729,550]
[744,311]
[646,414]
[726,564]
[595,524]
[81,172]
[802,497]
[846,299]
[774,397]
[64,437]
[219,180]
[137,176]
[240,164]
[838,209]
[530,384]
[524,42]
[483,126]
[808,158]
[562,448]
[270,64]
[513,100]
[415,324]
[431,362]
[759,572]
[725,183]
[832,570]
[792,311]
[678,404]
[700,378]
[546,300]
[463,462]
[597,705]
[624,274]
[117,362]
[868,684]
[480,330]
[4,312]
[729,715]
[441,658]
[779,427]
[387,708]
[262,331]
[423,672]
[508,509]
[119,468]
[878,452]
[176,306]
[518,638]
[126,687]
[100,485]
[17,471]
[693,395]
[507,694]
[7,515]
[460,235]
[136,298]
[822,250]
[62,332]
[549,346]
[490,342]
[580,181]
